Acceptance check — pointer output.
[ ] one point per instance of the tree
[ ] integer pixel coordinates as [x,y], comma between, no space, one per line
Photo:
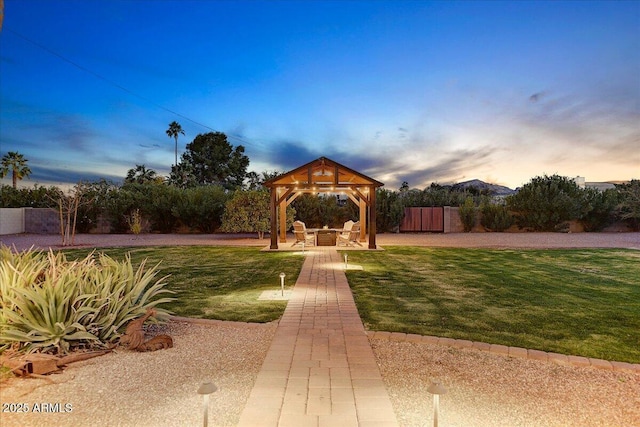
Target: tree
[68,212]
[215,161]
[546,203]
[174,130]
[182,175]
[142,175]
[249,212]
[15,163]
[255,182]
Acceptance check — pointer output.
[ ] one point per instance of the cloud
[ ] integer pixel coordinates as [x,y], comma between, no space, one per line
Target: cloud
[445,167]
[289,154]
[54,176]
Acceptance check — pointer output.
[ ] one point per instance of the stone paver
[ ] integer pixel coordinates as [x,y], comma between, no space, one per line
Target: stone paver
[320,369]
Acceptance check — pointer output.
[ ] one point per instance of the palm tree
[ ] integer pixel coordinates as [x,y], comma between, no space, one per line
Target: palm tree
[141,175]
[174,130]
[15,163]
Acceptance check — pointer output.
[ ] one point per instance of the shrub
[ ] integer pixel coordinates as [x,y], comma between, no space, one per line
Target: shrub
[36,197]
[389,210]
[598,208]
[201,207]
[546,203]
[468,213]
[249,212]
[628,208]
[51,304]
[495,217]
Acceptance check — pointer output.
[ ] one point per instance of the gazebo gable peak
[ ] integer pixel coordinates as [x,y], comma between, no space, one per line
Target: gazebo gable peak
[323,172]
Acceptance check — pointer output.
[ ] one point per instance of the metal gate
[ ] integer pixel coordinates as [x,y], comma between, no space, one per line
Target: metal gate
[423,219]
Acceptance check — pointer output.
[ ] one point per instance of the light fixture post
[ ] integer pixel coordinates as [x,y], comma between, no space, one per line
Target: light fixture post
[205,390]
[282,276]
[346,265]
[436,389]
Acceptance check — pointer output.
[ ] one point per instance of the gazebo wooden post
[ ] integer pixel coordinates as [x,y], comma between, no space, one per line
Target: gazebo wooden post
[283,221]
[372,217]
[274,220]
[363,219]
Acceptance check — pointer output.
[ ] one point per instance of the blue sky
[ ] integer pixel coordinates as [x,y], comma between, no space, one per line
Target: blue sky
[412,91]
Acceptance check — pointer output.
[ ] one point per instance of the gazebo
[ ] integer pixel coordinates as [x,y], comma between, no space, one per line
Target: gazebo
[323,176]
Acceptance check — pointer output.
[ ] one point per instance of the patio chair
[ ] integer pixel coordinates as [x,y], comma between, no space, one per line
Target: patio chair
[346,229]
[303,237]
[350,238]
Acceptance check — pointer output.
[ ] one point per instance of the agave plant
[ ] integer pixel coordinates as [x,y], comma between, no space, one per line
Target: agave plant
[49,303]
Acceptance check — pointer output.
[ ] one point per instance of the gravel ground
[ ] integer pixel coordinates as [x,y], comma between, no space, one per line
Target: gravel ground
[159,389]
[126,388]
[491,390]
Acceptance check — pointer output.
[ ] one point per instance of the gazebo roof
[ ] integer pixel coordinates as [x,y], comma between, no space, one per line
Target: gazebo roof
[325,174]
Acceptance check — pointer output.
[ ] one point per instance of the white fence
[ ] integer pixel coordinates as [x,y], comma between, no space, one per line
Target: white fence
[29,220]
[11,221]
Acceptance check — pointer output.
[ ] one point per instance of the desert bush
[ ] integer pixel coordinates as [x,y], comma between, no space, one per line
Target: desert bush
[35,197]
[389,210]
[52,304]
[96,196]
[546,203]
[598,208]
[628,208]
[468,212]
[201,207]
[249,212]
[495,217]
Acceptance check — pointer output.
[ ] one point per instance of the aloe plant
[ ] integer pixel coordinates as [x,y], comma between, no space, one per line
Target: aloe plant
[48,303]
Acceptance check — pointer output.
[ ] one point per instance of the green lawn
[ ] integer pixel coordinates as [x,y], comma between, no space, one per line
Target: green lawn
[582,302]
[218,282]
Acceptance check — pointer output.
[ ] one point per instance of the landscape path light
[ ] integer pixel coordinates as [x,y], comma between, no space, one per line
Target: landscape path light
[436,389]
[346,266]
[282,276]
[205,390]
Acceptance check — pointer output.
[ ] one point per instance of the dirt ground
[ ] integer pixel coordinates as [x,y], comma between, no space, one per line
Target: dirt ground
[471,240]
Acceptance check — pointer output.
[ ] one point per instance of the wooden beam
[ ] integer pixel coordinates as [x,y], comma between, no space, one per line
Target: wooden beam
[354,199]
[362,195]
[292,198]
[285,195]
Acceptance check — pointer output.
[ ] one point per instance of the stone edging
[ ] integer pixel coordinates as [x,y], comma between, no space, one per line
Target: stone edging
[214,322]
[504,350]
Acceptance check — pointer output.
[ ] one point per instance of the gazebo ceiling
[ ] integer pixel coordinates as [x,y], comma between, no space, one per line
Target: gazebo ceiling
[325,174]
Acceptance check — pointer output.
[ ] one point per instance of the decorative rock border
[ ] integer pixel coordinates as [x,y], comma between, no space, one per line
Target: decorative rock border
[504,350]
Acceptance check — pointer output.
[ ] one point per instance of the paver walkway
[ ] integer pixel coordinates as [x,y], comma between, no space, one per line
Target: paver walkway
[320,369]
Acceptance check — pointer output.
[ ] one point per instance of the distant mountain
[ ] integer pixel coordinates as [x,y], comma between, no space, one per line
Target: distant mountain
[493,189]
